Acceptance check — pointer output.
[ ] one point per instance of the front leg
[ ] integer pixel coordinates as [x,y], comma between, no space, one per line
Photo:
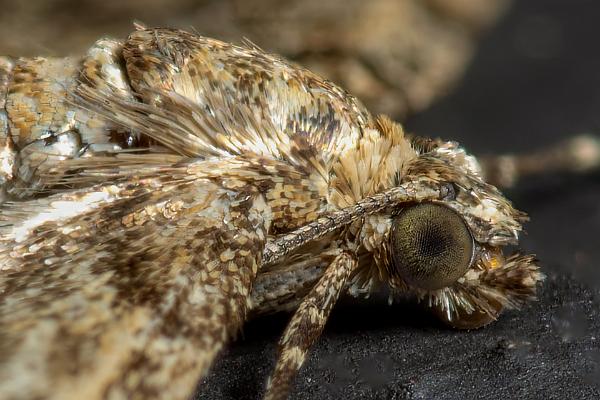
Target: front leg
[307,324]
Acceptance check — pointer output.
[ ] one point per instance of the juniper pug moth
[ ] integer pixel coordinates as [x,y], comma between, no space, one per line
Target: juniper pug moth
[159,189]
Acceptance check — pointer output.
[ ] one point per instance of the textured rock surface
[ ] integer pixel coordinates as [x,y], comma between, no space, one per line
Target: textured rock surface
[535,80]
[379,352]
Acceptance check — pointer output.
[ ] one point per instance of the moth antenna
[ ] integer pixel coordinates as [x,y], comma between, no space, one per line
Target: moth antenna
[578,154]
[408,192]
[307,324]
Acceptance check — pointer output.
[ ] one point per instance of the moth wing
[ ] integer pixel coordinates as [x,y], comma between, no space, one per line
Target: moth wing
[245,90]
[201,97]
[126,288]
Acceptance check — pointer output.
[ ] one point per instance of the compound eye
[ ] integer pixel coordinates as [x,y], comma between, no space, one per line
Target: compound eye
[431,246]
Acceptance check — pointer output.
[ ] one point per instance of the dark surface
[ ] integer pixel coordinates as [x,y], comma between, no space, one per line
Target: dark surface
[535,80]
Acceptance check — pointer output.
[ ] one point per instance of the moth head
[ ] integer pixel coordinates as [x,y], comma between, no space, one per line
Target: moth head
[449,252]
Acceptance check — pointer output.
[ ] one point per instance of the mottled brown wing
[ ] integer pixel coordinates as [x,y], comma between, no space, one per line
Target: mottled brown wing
[126,290]
[208,98]
[255,101]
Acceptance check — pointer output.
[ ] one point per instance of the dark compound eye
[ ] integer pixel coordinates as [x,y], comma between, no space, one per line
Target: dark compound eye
[431,246]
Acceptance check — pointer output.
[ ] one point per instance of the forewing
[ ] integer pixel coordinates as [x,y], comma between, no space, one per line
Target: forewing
[201,97]
[130,288]
[233,84]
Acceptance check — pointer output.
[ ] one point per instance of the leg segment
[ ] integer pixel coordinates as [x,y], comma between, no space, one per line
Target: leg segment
[307,324]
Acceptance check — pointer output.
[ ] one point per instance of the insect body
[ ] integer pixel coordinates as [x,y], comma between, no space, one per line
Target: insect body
[160,189]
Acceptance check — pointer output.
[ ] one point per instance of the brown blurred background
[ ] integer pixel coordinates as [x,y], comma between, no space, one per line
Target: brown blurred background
[395,55]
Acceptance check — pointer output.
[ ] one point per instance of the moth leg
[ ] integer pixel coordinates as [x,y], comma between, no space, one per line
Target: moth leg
[578,154]
[307,324]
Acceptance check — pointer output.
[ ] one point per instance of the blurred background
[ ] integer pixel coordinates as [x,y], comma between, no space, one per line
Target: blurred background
[396,55]
[498,77]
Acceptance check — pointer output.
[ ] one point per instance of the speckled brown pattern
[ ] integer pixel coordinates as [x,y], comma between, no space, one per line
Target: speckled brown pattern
[7,152]
[169,185]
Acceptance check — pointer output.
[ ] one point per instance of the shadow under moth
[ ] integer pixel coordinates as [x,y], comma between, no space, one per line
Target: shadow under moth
[158,191]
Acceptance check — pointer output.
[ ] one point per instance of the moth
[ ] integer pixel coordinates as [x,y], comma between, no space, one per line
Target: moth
[159,190]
